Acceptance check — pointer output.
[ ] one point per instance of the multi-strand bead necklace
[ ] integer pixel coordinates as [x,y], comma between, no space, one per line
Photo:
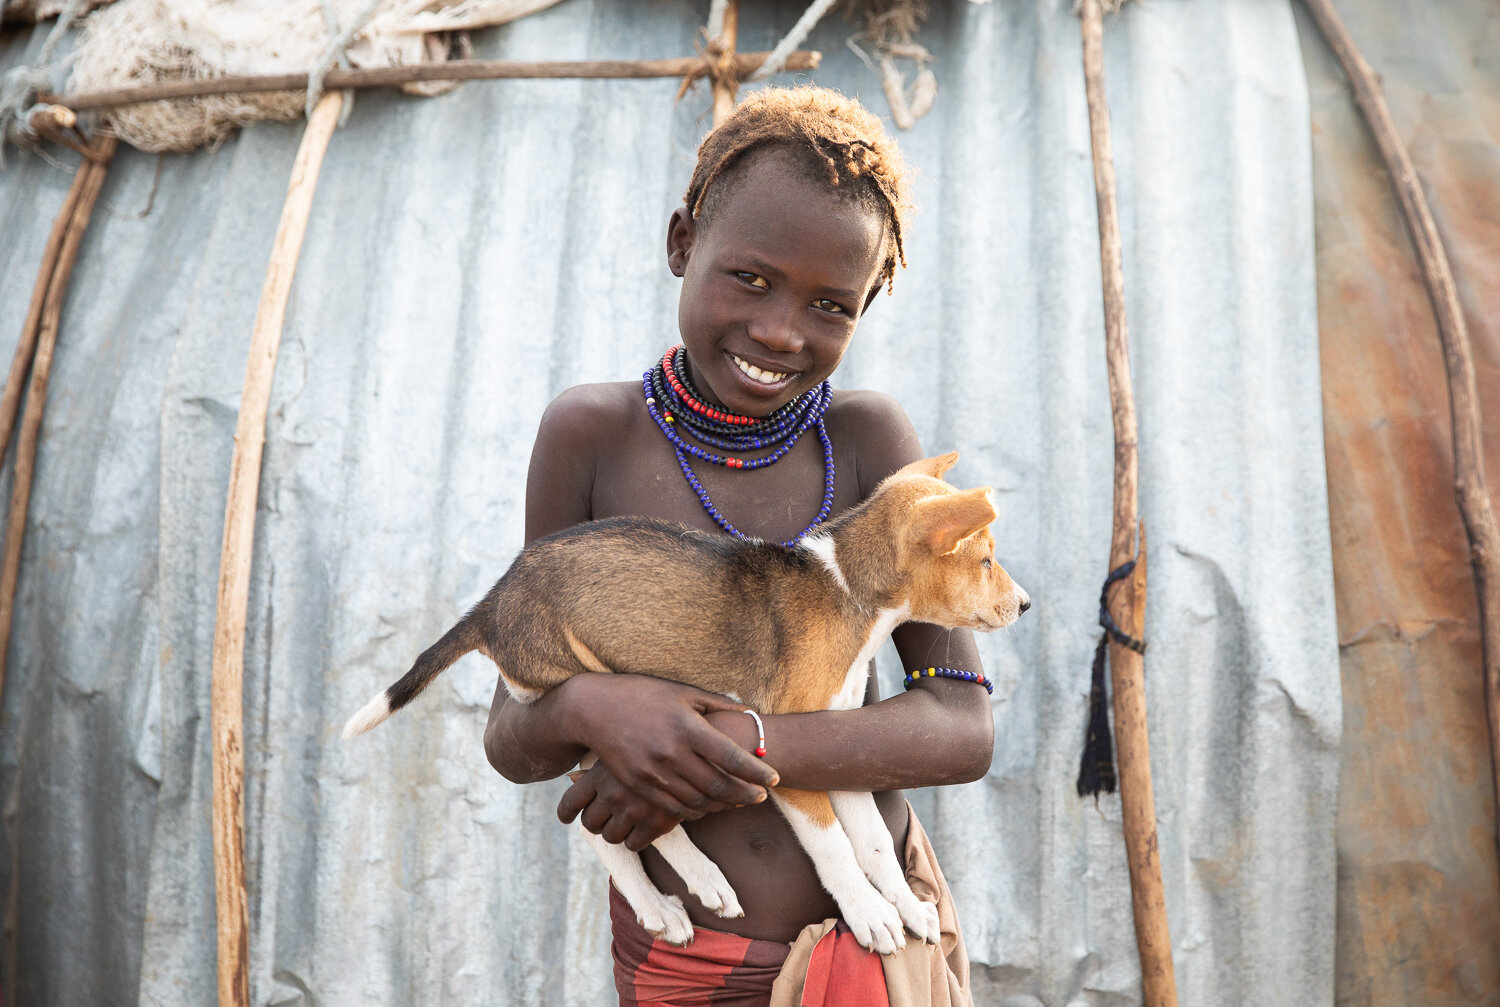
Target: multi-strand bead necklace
[674,405]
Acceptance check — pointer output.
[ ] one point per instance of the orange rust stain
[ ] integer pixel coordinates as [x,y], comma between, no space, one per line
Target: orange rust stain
[1418,884]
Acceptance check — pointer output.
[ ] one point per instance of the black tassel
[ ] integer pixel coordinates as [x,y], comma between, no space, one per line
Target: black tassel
[1096,771]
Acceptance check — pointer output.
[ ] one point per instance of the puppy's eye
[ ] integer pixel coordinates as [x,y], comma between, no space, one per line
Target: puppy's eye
[986,562]
[752,279]
[833,308]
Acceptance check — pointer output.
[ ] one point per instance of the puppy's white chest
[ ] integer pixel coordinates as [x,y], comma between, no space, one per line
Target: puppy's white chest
[852,693]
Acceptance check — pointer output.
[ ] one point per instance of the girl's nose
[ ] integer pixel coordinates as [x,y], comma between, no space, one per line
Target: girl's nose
[776,331]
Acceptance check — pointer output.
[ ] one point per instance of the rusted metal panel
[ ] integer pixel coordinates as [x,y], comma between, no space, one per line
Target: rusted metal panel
[1419,896]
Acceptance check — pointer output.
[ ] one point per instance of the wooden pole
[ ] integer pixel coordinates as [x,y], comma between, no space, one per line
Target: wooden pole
[20,364]
[42,323]
[46,120]
[1474,504]
[1128,603]
[688,67]
[726,76]
[234,561]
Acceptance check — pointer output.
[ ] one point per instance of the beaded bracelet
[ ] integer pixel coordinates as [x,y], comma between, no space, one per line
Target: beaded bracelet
[963,676]
[760,749]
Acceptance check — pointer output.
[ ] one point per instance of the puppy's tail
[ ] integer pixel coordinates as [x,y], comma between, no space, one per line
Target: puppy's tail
[454,644]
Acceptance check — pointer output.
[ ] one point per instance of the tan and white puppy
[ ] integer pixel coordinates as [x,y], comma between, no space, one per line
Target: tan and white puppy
[781,630]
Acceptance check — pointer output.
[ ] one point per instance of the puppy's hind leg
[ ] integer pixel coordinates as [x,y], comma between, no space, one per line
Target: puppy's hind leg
[875,922]
[876,854]
[701,875]
[661,915]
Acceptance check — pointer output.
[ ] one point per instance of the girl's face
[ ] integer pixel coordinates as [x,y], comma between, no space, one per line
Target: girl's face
[773,286]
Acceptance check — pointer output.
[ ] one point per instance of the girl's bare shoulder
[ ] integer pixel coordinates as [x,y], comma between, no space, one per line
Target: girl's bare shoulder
[876,429]
[583,425]
[587,416]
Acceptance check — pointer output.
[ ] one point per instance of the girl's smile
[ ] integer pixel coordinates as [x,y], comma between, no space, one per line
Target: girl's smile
[775,278]
[765,377]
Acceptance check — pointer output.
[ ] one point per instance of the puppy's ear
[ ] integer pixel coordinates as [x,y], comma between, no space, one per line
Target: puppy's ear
[934,467]
[943,522]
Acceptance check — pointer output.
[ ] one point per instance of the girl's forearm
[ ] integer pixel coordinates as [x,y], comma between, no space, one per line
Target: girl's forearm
[931,736]
[529,742]
[649,732]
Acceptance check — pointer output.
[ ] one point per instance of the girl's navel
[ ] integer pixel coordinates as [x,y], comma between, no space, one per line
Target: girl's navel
[761,842]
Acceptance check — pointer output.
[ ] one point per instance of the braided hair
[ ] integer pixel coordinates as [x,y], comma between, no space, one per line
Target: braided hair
[831,139]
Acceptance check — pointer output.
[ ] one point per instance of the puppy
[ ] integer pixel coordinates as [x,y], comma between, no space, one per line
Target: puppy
[780,630]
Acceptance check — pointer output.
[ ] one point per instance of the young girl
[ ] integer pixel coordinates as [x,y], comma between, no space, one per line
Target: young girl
[791,225]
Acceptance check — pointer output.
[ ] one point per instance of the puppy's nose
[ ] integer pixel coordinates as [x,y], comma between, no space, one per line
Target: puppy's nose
[1025,600]
[1025,604]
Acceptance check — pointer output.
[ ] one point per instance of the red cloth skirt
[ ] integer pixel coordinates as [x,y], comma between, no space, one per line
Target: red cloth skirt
[727,970]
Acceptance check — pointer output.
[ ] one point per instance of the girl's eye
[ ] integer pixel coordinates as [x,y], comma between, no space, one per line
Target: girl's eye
[824,304]
[986,562]
[753,280]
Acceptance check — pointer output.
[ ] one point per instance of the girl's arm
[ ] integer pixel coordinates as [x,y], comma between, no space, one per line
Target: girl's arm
[650,732]
[940,732]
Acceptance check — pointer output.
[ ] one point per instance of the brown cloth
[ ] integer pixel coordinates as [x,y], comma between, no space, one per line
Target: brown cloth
[823,967]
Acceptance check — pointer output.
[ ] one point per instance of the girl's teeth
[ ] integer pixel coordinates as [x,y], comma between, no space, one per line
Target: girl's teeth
[764,377]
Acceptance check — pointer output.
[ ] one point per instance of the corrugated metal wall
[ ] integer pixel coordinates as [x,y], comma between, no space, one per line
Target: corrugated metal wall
[469,257]
[1419,898]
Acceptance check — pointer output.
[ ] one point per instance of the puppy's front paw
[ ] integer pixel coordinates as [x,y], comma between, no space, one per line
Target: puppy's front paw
[874,922]
[664,917]
[921,918]
[710,887]
[721,901]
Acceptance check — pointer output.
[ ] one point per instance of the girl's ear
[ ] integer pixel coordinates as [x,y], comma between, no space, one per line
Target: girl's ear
[681,230]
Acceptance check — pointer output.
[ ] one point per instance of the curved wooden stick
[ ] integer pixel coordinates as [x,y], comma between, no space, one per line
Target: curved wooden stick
[1137,800]
[42,324]
[20,364]
[234,561]
[688,67]
[1474,503]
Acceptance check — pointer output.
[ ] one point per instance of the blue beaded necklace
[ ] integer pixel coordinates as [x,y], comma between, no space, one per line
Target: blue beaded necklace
[673,404]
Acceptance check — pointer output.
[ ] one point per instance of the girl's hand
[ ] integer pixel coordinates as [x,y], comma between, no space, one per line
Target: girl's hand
[651,736]
[614,812]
